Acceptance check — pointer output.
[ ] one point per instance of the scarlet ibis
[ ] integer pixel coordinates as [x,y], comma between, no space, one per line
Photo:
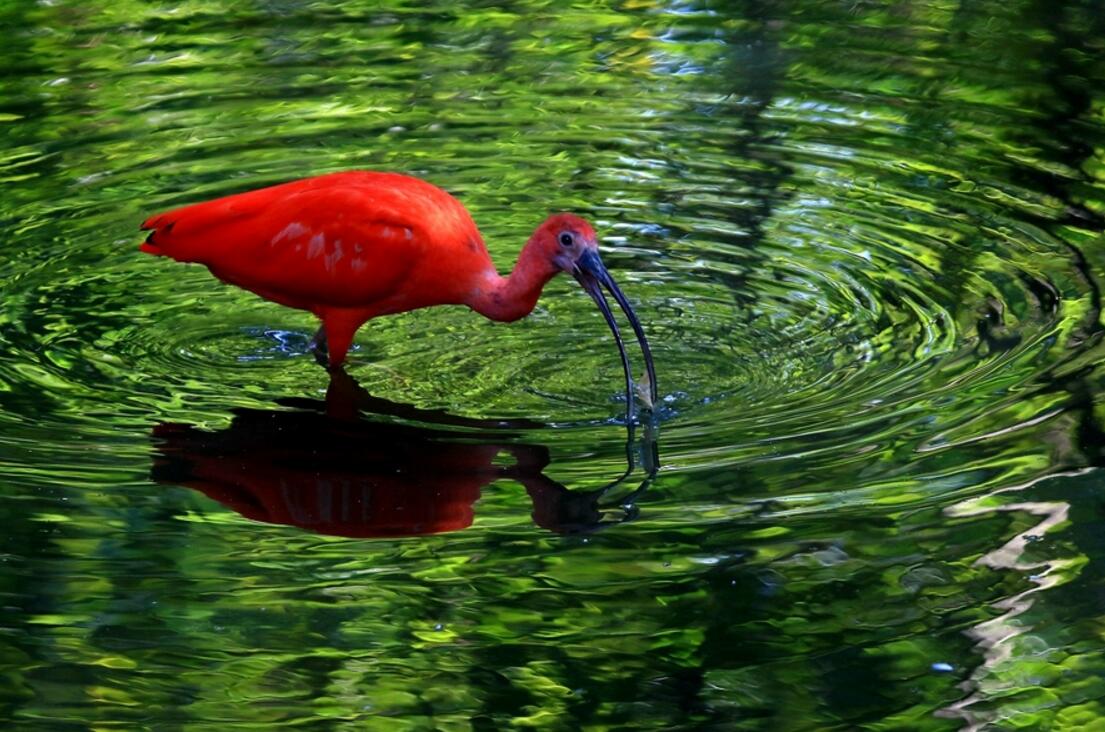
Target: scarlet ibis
[353,246]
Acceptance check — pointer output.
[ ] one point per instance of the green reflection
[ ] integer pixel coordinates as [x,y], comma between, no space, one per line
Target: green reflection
[866,240]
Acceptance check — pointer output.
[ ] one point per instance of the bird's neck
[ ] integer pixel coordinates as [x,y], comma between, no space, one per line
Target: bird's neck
[514,296]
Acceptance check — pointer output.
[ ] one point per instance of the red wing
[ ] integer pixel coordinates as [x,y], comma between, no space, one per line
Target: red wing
[297,244]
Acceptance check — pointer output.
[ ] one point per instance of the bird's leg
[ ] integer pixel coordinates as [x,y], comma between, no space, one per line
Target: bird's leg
[340,325]
[318,346]
[341,395]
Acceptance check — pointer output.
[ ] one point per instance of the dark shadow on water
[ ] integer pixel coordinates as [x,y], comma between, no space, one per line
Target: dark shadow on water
[345,466]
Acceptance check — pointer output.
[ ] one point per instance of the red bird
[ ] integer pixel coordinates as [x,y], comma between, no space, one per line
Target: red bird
[352,246]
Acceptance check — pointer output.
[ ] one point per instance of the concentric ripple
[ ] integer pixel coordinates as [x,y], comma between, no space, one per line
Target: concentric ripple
[864,240]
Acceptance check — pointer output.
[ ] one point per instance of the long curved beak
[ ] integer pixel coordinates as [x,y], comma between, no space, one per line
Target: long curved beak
[592,275]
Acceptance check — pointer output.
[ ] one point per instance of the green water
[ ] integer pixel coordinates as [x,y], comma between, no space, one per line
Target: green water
[865,240]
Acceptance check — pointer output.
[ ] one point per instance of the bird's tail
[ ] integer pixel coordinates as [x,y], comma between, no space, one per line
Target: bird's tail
[159,226]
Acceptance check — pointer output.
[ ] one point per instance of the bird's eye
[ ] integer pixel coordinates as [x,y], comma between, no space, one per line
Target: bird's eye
[566,239]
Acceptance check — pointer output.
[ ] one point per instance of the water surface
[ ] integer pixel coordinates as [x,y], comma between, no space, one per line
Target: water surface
[865,240]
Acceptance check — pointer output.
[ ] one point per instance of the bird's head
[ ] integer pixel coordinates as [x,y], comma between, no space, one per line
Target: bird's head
[564,238]
[569,243]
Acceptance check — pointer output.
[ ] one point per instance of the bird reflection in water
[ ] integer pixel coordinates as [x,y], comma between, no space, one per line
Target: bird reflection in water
[325,467]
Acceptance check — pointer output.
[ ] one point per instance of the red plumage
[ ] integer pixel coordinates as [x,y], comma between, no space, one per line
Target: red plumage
[347,246]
